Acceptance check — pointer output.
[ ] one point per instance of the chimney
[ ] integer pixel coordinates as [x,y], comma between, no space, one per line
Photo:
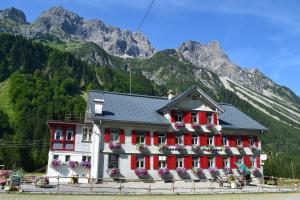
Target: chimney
[98,106]
[171,94]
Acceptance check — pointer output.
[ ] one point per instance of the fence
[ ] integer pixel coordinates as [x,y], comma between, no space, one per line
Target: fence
[150,186]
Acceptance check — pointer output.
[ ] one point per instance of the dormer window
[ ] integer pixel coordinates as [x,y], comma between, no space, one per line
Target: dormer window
[178,117]
[194,97]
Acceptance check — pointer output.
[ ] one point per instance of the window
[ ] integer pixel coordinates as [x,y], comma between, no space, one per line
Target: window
[87,134]
[86,158]
[178,139]
[67,158]
[194,118]
[140,162]
[178,117]
[114,135]
[225,141]
[194,97]
[195,162]
[179,162]
[194,139]
[226,163]
[251,141]
[238,141]
[69,146]
[211,162]
[113,161]
[162,161]
[140,138]
[210,140]
[240,160]
[69,134]
[208,117]
[58,134]
[161,138]
[57,145]
[55,157]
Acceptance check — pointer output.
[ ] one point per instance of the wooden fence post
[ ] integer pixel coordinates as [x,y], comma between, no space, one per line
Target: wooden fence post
[58,184]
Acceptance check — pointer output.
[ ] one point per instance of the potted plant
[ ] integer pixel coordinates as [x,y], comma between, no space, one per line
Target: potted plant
[85,164]
[72,164]
[228,170]
[232,180]
[163,172]
[55,163]
[197,171]
[227,149]
[163,148]
[196,126]
[196,148]
[212,171]
[180,148]
[179,125]
[115,146]
[210,126]
[114,171]
[181,171]
[141,172]
[41,181]
[141,147]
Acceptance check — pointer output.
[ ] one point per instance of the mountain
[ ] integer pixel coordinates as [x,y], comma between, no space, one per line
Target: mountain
[68,26]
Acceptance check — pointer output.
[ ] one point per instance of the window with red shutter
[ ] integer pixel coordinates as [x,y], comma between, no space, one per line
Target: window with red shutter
[247,161]
[133,136]
[255,140]
[155,162]
[170,138]
[218,140]
[215,118]
[188,162]
[148,139]
[258,161]
[203,140]
[122,136]
[187,139]
[107,135]
[219,162]
[133,162]
[204,162]
[202,118]
[147,162]
[245,141]
[171,162]
[173,112]
[232,141]
[233,160]
[187,117]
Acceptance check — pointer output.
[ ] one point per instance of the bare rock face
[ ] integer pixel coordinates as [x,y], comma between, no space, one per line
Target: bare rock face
[212,57]
[69,26]
[13,14]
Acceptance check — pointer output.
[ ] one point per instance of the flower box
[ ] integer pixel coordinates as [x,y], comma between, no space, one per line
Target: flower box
[210,126]
[141,147]
[163,148]
[180,148]
[196,148]
[212,171]
[85,164]
[227,149]
[204,148]
[179,125]
[228,171]
[141,172]
[55,163]
[72,164]
[196,126]
[41,181]
[5,173]
[114,171]
[163,172]
[212,148]
[197,171]
[181,171]
[114,146]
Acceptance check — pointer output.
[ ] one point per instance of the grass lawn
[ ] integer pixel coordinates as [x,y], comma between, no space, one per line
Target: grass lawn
[255,196]
[5,103]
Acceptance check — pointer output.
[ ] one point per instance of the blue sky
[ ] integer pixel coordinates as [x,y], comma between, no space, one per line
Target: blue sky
[254,33]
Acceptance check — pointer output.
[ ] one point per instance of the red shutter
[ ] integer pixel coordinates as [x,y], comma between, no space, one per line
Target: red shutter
[215,118]
[133,161]
[202,118]
[255,141]
[219,162]
[171,162]
[155,162]
[187,117]
[107,135]
[155,138]
[170,139]
[148,139]
[204,162]
[133,137]
[147,162]
[232,141]
[245,141]
[188,162]
[233,160]
[203,139]
[187,139]
[247,161]
[122,136]
[173,116]
[258,161]
[218,140]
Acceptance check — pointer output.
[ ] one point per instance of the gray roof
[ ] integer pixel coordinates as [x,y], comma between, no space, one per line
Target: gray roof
[144,109]
[233,118]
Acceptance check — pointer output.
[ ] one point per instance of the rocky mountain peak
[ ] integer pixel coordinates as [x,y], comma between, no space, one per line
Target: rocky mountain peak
[14,14]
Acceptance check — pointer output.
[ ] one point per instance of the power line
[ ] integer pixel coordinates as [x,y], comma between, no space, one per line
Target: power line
[143,19]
